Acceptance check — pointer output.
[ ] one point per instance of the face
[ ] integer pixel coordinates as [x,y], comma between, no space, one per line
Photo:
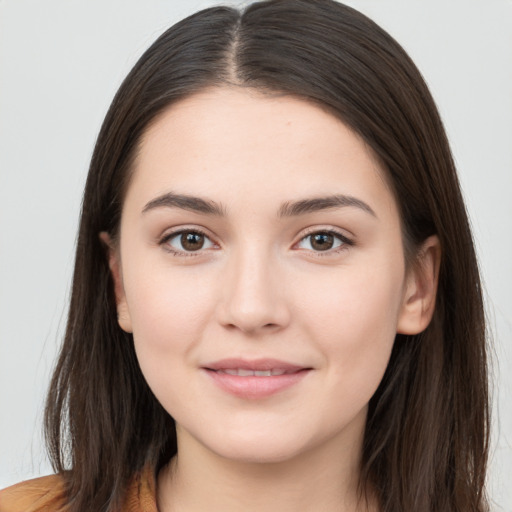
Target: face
[260,268]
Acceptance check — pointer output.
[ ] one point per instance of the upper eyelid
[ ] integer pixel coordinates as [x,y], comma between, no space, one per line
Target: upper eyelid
[305,232]
[169,234]
[164,239]
[343,232]
[166,235]
[347,240]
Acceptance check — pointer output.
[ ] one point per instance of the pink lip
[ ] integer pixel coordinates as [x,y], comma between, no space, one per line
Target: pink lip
[255,365]
[255,387]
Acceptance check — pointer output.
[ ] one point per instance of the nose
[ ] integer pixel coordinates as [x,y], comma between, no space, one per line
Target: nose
[253,296]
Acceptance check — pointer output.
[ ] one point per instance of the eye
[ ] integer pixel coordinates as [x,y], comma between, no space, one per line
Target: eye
[323,241]
[187,241]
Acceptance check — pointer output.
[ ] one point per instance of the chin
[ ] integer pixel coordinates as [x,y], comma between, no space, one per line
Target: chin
[258,454]
[258,448]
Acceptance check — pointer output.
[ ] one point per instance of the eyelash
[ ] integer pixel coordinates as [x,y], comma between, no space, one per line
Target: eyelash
[174,234]
[345,242]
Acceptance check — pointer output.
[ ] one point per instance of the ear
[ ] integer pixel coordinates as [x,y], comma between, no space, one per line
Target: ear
[420,290]
[114,263]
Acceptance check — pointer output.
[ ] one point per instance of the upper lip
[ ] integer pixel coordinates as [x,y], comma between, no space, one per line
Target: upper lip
[254,364]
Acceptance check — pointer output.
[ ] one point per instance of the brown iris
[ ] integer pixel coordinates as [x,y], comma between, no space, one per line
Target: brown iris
[192,241]
[322,241]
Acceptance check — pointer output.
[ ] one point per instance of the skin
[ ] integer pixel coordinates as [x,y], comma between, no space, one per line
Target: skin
[259,287]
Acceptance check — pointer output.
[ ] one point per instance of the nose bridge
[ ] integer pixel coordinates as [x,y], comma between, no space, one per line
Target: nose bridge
[253,296]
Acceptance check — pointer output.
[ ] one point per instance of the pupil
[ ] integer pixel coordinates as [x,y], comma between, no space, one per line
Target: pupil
[322,241]
[192,241]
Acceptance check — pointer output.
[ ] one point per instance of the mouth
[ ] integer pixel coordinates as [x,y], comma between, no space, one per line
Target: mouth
[242,372]
[255,379]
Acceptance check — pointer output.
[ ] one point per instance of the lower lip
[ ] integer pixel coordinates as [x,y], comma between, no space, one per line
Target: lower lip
[256,387]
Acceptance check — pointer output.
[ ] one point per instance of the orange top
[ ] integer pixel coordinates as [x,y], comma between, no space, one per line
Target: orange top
[47,494]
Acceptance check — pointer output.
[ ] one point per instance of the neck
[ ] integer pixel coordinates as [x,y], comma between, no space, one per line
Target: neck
[324,479]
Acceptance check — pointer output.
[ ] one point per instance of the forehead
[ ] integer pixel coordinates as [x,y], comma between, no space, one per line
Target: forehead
[240,145]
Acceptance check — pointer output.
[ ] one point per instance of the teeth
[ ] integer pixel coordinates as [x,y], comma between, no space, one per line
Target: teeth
[263,373]
[242,372]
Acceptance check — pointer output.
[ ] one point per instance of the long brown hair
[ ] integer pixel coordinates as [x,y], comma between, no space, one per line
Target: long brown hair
[426,440]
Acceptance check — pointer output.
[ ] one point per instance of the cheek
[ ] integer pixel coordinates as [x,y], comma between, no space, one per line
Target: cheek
[354,325]
[169,311]
[354,300]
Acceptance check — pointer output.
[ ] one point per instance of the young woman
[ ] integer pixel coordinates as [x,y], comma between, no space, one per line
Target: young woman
[276,300]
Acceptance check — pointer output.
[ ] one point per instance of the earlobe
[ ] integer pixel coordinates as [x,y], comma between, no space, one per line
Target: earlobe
[114,263]
[419,298]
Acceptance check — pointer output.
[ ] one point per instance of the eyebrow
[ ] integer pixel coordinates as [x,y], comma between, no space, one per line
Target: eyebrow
[315,204]
[287,209]
[186,202]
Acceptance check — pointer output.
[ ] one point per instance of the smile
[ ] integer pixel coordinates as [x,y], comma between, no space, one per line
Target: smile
[242,372]
[255,379]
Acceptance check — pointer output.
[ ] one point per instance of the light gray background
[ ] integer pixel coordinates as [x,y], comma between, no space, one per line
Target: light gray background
[61,62]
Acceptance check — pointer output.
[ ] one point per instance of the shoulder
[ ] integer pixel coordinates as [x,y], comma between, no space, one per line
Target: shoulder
[48,494]
[45,494]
